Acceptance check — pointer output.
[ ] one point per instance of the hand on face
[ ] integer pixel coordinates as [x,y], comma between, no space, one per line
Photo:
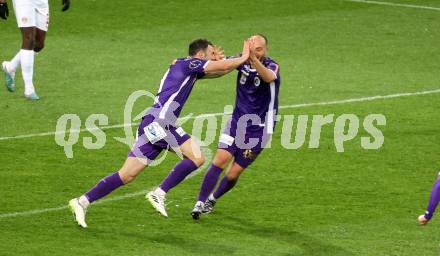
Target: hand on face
[252,55]
[219,53]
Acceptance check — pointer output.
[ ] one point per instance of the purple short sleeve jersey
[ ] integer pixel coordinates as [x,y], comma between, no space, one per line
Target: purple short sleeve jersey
[254,96]
[176,86]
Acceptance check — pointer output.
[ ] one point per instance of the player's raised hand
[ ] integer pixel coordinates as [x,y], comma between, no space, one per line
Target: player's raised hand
[4,10]
[246,49]
[66,5]
[252,55]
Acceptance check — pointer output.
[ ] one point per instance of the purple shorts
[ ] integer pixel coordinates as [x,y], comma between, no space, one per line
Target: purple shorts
[153,136]
[244,144]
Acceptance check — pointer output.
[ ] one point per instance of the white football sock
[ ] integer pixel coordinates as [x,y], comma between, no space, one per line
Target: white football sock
[83,201]
[211,197]
[14,63]
[159,191]
[27,70]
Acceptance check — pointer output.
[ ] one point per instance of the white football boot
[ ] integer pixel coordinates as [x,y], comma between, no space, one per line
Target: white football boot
[79,213]
[197,210]
[9,77]
[157,200]
[208,207]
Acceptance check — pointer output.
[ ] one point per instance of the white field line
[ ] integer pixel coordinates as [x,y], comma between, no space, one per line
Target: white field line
[336,102]
[62,132]
[60,208]
[397,4]
[208,156]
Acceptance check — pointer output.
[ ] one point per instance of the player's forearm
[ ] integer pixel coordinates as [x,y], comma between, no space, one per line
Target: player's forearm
[215,75]
[234,63]
[224,66]
[266,74]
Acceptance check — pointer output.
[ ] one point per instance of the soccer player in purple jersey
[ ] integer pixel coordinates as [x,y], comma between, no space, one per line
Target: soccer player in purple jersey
[158,129]
[434,199]
[253,118]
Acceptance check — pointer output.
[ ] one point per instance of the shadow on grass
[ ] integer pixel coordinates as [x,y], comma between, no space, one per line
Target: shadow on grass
[194,246]
[310,245]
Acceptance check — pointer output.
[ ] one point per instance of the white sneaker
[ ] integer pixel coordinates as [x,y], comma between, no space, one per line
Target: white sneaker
[78,211]
[158,202]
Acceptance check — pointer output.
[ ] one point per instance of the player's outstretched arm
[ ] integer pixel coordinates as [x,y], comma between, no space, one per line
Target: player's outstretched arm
[4,10]
[66,5]
[219,54]
[214,68]
[266,74]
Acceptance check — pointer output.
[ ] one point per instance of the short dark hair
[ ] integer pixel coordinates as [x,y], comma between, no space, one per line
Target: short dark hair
[197,45]
[264,37]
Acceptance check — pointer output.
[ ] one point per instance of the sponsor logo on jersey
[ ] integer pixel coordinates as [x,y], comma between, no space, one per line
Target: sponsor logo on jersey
[195,64]
[257,81]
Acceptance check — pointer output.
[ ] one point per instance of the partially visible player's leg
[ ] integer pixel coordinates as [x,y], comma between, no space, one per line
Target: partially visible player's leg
[226,184]
[193,159]
[34,24]
[25,57]
[434,199]
[221,160]
[38,45]
[243,158]
[131,168]
[25,14]
[229,180]
[40,38]
[27,61]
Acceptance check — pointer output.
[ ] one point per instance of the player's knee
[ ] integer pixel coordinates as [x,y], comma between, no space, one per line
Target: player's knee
[126,177]
[221,161]
[199,161]
[38,47]
[28,41]
[232,176]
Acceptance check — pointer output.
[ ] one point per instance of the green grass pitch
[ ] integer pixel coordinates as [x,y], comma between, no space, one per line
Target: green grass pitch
[290,202]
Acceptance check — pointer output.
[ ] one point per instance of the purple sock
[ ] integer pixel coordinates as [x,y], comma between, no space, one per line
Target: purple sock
[180,171]
[104,187]
[225,186]
[209,182]
[434,199]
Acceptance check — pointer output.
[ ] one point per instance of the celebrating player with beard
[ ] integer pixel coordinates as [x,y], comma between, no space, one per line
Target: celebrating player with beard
[158,130]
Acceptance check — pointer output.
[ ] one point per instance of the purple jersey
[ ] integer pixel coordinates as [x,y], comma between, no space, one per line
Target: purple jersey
[254,96]
[175,87]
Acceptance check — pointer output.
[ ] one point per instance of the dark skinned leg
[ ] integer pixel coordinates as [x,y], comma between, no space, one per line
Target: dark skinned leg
[40,37]
[28,38]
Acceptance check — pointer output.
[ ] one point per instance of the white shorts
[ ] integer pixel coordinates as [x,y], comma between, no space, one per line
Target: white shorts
[32,13]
